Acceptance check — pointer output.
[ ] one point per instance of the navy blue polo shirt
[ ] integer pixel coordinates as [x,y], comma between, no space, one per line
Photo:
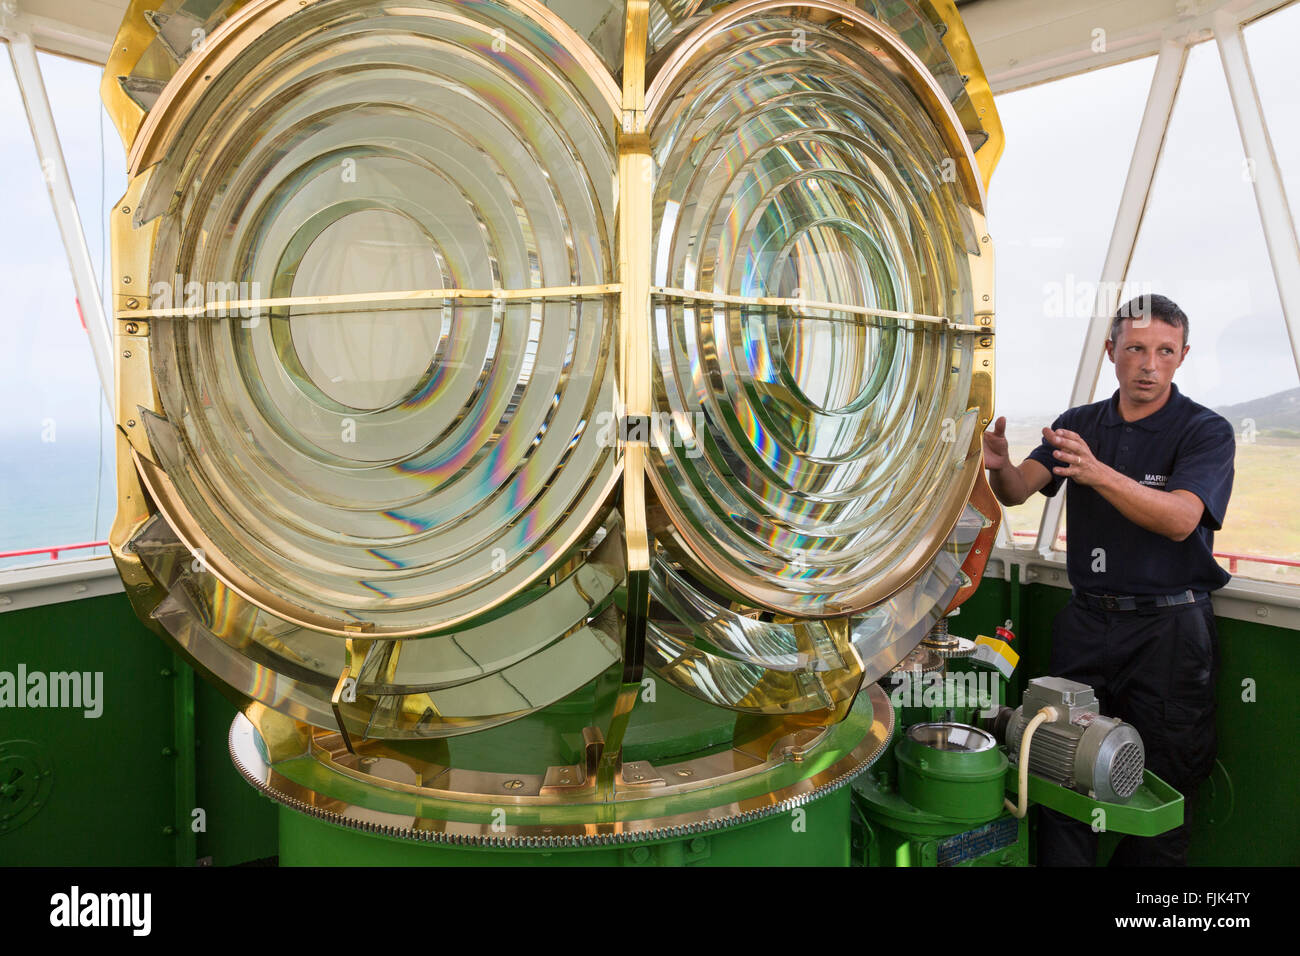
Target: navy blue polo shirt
[1184,445]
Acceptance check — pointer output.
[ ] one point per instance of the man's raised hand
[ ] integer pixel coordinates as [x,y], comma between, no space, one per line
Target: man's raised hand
[1076,458]
[996,454]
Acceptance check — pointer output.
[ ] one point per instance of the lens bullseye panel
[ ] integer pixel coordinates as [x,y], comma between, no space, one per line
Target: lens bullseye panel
[407,464]
[826,448]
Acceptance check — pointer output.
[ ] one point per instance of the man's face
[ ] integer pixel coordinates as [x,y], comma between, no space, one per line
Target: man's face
[1146,357]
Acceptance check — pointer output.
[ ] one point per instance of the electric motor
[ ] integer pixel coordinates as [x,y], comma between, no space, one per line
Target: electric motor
[1080,749]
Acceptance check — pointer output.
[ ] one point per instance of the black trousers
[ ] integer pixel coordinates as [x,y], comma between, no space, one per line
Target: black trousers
[1157,670]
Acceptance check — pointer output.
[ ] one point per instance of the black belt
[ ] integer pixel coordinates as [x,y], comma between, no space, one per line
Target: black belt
[1130,602]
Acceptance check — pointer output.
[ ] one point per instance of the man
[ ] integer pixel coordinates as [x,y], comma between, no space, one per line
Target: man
[1150,472]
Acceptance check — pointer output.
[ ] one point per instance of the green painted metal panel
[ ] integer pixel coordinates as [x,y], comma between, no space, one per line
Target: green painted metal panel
[241,824]
[113,788]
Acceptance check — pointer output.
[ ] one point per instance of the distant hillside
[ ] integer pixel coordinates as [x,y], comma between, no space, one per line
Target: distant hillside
[1278,413]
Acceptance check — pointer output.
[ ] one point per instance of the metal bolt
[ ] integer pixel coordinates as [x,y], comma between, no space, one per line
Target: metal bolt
[169,830]
[640,855]
[126,353]
[165,672]
[126,280]
[985,342]
[169,751]
[126,210]
[684,772]
[130,422]
[699,845]
[513,784]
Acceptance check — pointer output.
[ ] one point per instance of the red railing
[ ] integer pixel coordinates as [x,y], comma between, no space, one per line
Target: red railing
[1232,556]
[54,551]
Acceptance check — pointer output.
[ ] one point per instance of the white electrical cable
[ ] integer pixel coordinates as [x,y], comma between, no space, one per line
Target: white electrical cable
[1046,714]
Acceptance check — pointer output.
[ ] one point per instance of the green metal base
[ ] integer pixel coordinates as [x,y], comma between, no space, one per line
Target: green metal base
[1154,809]
[890,831]
[815,834]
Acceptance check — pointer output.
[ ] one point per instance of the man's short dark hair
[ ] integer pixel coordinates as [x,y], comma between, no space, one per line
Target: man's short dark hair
[1146,308]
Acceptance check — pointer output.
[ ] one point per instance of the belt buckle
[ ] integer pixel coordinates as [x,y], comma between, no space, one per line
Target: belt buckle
[1109,602]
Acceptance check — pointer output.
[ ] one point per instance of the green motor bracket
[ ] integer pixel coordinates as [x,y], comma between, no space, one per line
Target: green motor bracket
[1155,808]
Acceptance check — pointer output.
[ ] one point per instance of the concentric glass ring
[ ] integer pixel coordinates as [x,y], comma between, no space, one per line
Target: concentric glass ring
[402,464]
[811,453]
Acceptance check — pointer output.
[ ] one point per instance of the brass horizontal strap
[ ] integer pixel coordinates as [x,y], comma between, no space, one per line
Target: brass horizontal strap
[221,308]
[774,302]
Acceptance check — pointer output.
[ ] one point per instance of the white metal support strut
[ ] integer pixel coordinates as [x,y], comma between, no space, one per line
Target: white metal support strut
[1270,194]
[54,171]
[1123,239]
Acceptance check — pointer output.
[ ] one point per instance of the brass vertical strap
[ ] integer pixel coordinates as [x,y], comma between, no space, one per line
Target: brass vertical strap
[357,649]
[635,184]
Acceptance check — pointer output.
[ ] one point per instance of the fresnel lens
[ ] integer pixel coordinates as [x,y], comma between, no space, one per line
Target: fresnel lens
[548,426]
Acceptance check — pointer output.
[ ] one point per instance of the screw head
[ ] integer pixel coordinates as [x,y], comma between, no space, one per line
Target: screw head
[126,210]
[126,280]
[130,423]
[684,772]
[126,353]
[513,784]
